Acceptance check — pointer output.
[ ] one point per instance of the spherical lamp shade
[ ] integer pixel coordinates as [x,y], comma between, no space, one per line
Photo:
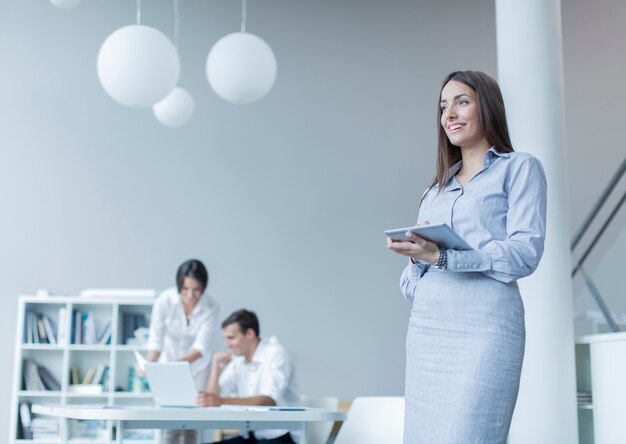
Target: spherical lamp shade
[65,4]
[138,66]
[241,68]
[176,109]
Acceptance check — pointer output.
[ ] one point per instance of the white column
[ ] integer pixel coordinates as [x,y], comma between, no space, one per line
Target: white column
[530,73]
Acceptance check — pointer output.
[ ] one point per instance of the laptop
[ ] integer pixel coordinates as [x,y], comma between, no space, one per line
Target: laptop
[172,384]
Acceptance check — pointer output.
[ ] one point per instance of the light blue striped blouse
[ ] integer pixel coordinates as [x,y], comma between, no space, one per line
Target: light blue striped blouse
[501,213]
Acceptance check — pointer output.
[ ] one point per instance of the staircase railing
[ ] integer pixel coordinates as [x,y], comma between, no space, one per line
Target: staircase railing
[578,266]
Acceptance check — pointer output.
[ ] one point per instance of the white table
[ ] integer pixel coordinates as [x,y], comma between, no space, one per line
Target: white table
[231,417]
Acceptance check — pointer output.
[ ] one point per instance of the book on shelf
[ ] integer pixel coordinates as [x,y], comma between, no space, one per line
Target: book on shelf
[39,328]
[32,381]
[89,375]
[89,328]
[49,381]
[50,328]
[74,376]
[104,334]
[62,335]
[93,376]
[83,328]
[34,332]
[130,323]
[98,377]
[77,327]
[45,427]
[26,431]
[38,378]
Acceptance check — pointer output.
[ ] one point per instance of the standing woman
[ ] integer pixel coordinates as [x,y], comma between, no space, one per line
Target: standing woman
[465,339]
[184,320]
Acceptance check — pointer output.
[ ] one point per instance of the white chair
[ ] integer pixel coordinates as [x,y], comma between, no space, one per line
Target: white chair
[374,420]
[318,432]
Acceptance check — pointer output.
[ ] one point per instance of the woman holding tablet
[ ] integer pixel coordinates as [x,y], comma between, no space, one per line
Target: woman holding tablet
[184,320]
[465,339]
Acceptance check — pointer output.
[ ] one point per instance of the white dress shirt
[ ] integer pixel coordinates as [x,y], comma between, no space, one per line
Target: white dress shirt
[173,337]
[269,373]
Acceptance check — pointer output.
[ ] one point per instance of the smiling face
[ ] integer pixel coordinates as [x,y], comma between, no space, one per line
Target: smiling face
[460,116]
[241,344]
[190,291]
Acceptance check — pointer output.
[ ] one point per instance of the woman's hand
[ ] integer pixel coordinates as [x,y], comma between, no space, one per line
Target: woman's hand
[139,371]
[417,248]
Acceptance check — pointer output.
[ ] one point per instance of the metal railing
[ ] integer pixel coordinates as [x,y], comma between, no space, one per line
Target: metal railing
[578,266]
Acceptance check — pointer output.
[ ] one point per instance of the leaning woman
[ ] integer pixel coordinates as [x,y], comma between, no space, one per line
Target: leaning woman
[184,320]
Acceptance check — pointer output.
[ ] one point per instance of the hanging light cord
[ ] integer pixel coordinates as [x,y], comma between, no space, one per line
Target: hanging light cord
[139,12]
[244,13]
[176,24]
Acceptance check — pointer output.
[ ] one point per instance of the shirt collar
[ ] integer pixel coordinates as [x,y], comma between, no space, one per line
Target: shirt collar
[490,156]
[263,343]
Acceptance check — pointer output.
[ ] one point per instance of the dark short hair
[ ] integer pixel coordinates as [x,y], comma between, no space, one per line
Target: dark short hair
[492,117]
[195,269]
[245,319]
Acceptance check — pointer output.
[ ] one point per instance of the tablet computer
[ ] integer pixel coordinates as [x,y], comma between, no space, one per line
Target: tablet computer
[440,234]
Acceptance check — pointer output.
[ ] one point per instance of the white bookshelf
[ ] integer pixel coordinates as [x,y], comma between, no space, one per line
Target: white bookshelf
[61,357]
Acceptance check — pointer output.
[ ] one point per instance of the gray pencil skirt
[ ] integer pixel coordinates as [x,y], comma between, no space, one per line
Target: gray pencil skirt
[464,352]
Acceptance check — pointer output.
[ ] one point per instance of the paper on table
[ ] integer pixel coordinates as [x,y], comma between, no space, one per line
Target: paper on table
[244,408]
[141,361]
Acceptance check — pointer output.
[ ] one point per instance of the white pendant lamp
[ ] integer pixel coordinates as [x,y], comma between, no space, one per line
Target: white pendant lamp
[176,109]
[65,4]
[138,66]
[241,67]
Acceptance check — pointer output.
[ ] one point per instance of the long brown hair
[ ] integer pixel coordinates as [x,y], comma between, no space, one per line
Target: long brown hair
[492,117]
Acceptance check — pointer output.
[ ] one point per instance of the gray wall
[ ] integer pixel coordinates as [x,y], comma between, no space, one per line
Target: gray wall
[285,200]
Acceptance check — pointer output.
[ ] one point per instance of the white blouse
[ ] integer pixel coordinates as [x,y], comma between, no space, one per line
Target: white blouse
[173,337]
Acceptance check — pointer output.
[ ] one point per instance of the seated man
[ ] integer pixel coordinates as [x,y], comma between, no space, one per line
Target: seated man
[258,372]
